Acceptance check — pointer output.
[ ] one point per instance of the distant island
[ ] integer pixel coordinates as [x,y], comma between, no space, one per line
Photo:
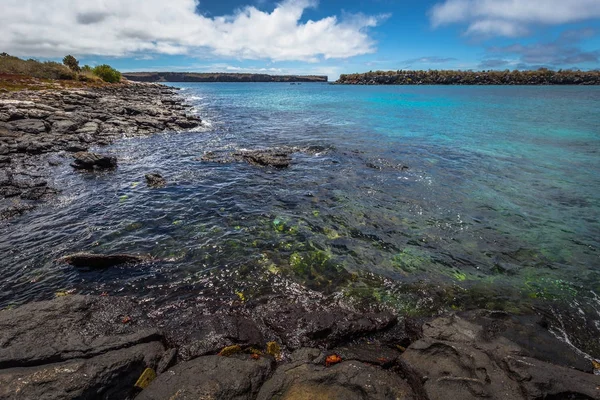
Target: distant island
[541,76]
[218,77]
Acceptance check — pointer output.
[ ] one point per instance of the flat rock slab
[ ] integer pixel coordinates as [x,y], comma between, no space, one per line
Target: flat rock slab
[348,380]
[210,377]
[107,376]
[75,347]
[70,327]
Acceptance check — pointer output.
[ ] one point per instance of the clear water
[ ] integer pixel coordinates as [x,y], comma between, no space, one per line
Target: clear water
[499,207]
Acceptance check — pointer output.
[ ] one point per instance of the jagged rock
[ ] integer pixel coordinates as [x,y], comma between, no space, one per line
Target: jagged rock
[300,327]
[155,180]
[460,361]
[211,377]
[106,376]
[197,336]
[34,126]
[89,260]
[345,381]
[91,161]
[75,347]
[64,126]
[272,158]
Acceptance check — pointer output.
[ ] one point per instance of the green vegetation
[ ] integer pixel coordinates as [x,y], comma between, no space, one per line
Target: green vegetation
[33,68]
[68,71]
[72,63]
[541,76]
[107,73]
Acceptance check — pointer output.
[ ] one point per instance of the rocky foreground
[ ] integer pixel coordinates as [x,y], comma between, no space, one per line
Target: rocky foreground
[39,128]
[85,347]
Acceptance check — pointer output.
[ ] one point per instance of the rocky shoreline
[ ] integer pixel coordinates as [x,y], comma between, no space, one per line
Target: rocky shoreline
[90,347]
[39,128]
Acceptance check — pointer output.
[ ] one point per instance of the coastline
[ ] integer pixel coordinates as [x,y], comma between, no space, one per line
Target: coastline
[270,347]
[42,128]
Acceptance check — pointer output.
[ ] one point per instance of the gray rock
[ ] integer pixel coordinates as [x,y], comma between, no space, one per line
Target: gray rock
[461,362]
[345,381]
[300,327]
[211,377]
[107,376]
[197,336]
[155,180]
[34,126]
[64,126]
[91,161]
[70,327]
[89,260]
[90,128]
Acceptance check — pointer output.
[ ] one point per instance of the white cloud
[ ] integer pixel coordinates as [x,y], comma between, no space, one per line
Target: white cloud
[511,17]
[53,28]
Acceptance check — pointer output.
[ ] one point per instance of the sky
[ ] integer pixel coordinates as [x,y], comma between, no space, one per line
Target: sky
[326,37]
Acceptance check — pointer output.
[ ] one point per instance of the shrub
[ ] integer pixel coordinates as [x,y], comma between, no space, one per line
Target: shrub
[34,68]
[72,63]
[107,73]
[86,68]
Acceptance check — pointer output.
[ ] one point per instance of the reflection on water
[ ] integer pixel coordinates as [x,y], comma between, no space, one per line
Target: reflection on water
[499,207]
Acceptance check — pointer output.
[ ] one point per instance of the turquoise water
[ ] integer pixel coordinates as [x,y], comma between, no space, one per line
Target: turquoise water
[499,207]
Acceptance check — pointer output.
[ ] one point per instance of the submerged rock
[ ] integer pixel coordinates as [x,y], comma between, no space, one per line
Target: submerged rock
[92,161]
[90,260]
[278,158]
[155,180]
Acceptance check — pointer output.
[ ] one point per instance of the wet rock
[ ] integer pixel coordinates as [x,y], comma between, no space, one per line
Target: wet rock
[89,260]
[155,180]
[347,380]
[16,210]
[300,327]
[92,161]
[106,376]
[197,336]
[34,126]
[75,347]
[461,361]
[211,377]
[268,158]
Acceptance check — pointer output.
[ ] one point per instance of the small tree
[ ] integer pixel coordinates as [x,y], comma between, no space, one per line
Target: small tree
[107,73]
[86,68]
[72,63]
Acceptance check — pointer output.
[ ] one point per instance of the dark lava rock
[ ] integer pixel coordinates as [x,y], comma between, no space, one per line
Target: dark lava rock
[278,158]
[155,180]
[460,363]
[75,347]
[211,377]
[345,381]
[197,336]
[91,161]
[89,260]
[298,326]
[34,126]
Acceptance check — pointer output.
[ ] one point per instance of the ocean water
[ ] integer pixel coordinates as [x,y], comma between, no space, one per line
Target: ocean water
[499,206]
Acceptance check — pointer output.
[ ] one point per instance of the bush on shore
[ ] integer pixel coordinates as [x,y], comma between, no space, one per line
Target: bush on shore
[34,68]
[107,73]
[72,63]
[69,70]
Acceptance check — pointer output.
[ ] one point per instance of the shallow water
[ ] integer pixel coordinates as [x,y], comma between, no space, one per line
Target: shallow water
[499,207]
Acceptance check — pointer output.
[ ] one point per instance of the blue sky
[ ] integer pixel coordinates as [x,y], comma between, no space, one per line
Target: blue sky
[307,36]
